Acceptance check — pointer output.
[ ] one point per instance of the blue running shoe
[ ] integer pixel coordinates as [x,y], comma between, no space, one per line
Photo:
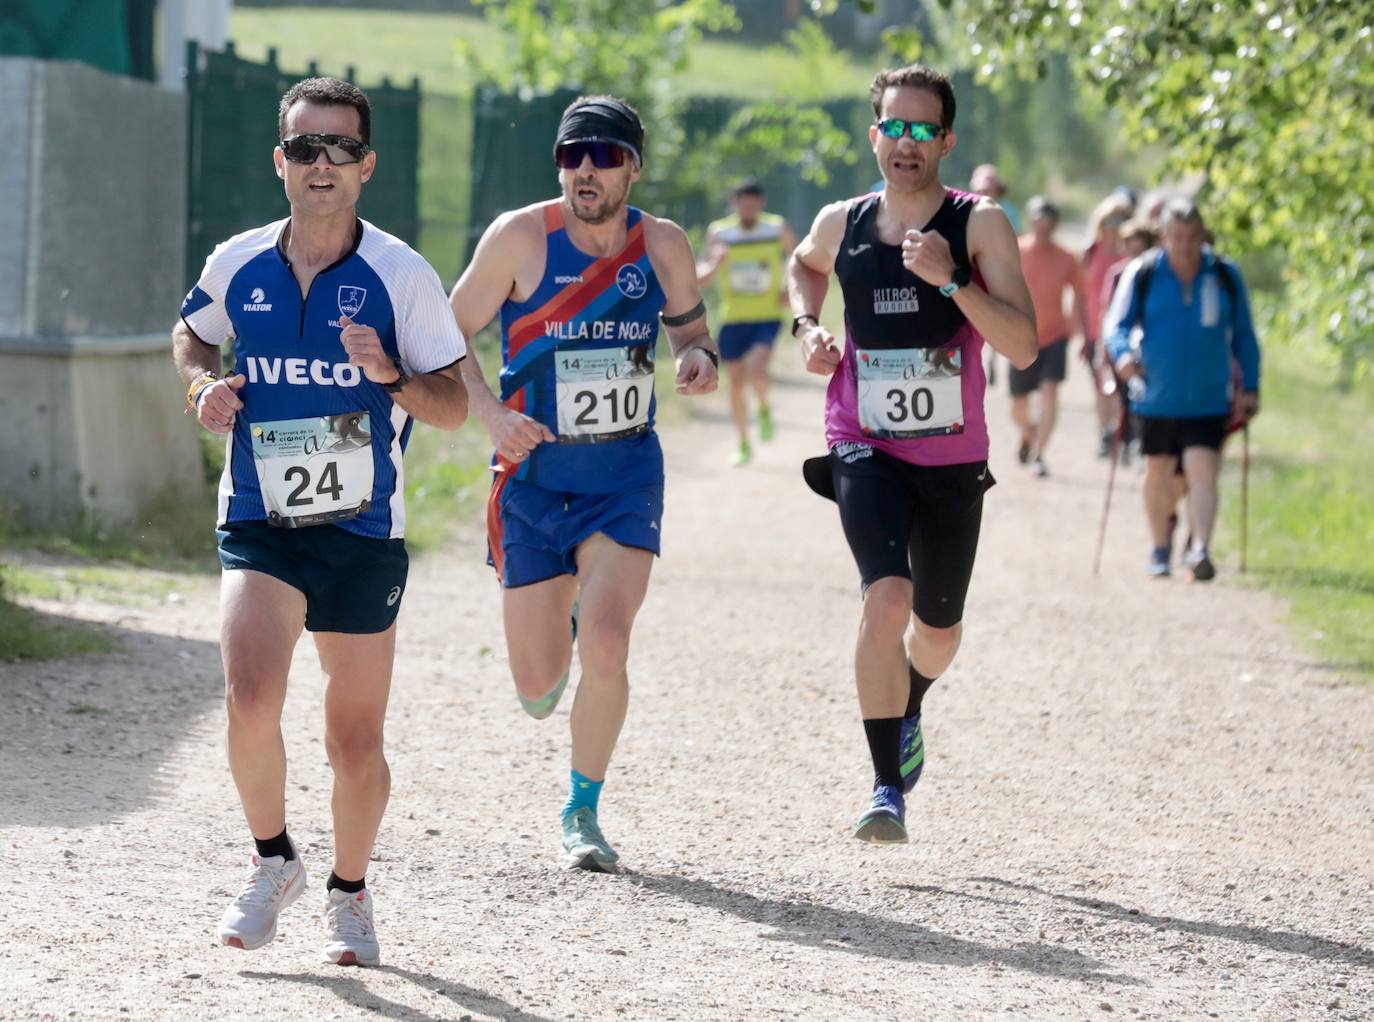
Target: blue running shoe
[584,846]
[1159,562]
[542,707]
[913,752]
[885,821]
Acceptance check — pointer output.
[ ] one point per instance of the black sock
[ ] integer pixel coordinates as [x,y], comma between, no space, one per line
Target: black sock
[279,845]
[919,684]
[884,745]
[347,886]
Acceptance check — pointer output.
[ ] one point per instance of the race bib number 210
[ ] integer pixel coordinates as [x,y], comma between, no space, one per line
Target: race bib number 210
[603,393]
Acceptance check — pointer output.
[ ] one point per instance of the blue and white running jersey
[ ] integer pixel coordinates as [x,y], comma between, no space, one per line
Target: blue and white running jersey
[316,441]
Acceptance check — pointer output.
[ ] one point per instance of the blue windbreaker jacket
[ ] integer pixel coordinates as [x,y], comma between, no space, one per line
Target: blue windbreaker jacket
[1185,348]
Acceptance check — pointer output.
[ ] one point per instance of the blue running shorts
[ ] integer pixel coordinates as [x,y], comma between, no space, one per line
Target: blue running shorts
[737,339]
[533,533]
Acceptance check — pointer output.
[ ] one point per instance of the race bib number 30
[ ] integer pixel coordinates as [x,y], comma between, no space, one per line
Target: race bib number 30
[910,392]
[603,393]
[313,471]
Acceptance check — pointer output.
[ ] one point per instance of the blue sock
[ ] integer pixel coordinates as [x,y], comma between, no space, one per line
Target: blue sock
[583,793]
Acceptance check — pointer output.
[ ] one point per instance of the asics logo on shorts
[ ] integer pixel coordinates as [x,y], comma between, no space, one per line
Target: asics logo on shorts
[393,596]
[301,372]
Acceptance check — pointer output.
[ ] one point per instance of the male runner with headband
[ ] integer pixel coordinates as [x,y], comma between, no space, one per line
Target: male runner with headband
[341,339]
[927,273]
[576,506]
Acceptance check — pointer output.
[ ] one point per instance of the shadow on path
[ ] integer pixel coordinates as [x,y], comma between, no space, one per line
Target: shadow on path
[351,986]
[817,925]
[82,740]
[1285,941]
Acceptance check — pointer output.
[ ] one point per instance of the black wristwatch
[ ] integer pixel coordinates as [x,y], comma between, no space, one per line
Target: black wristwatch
[714,356]
[803,318]
[402,378]
[961,277]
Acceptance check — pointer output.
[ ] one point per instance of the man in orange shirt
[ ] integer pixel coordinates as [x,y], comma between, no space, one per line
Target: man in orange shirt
[1049,270]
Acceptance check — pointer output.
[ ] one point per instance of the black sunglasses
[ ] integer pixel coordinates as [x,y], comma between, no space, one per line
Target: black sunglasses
[569,155]
[339,149]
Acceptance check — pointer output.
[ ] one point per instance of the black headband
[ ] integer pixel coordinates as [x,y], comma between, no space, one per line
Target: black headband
[603,120]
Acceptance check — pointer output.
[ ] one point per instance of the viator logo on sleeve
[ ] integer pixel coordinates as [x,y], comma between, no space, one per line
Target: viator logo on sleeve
[257,302]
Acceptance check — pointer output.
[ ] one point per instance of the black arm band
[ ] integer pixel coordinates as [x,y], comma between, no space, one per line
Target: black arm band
[695,312]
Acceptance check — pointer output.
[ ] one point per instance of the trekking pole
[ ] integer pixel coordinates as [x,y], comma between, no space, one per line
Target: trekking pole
[1244,493]
[1111,479]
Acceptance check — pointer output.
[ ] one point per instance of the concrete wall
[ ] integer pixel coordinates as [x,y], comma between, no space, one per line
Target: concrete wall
[16,124]
[92,236]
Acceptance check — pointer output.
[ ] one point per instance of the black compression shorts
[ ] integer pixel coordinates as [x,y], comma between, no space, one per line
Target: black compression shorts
[914,522]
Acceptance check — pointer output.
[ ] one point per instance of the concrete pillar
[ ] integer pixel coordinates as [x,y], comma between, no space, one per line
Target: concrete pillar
[91,256]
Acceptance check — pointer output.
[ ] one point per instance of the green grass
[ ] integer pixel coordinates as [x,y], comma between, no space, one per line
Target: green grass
[169,534]
[447,477]
[117,585]
[27,635]
[1311,522]
[404,44]
[446,481]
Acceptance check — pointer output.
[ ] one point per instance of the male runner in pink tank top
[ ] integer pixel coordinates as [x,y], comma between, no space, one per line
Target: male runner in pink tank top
[928,274]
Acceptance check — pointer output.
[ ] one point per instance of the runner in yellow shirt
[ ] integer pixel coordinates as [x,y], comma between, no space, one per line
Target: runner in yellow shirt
[752,246]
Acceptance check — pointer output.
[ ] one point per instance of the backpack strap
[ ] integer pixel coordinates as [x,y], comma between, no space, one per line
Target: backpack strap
[1143,278]
[1225,277]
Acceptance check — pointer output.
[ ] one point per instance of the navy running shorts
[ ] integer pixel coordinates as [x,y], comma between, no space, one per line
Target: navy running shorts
[738,339]
[533,533]
[352,583]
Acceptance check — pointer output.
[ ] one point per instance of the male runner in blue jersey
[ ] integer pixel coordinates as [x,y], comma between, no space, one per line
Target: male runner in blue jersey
[928,273]
[575,509]
[341,338]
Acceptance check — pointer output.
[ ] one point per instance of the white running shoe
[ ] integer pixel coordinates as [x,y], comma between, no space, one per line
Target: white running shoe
[271,885]
[351,935]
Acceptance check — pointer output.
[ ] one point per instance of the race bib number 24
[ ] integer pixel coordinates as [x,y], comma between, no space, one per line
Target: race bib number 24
[316,470]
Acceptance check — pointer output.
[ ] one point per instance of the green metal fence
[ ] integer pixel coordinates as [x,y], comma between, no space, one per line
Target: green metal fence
[232,129]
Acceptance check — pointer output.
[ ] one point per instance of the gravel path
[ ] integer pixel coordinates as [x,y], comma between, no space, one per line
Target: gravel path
[1139,798]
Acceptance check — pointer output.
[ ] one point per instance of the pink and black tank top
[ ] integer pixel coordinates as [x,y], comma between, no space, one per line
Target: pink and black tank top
[911,381]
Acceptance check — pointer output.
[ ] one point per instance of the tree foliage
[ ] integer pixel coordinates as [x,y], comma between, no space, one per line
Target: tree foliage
[616,46]
[1268,98]
[794,132]
[630,47]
